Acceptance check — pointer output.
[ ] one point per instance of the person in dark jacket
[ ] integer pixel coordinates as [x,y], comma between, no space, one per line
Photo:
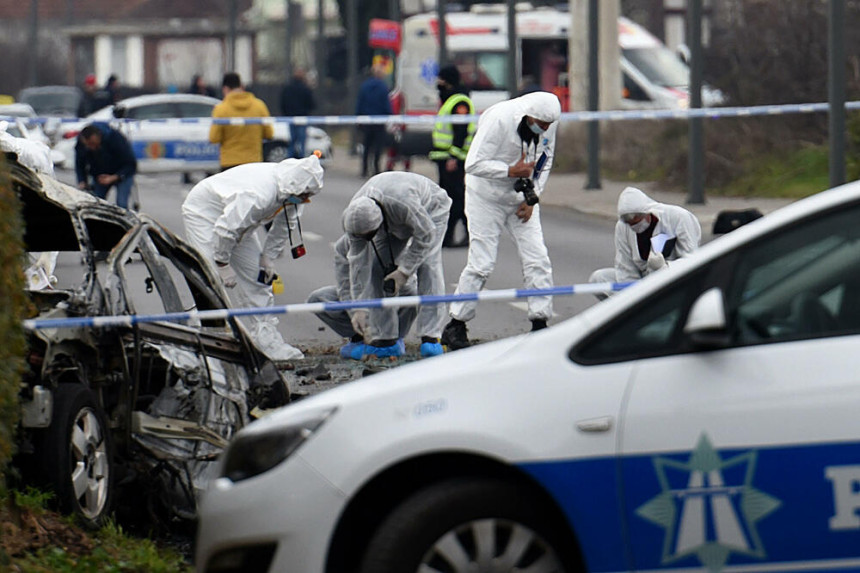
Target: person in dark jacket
[104,158]
[200,87]
[373,100]
[297,100]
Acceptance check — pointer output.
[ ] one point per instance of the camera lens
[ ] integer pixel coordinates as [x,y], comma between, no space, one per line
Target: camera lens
[388,287]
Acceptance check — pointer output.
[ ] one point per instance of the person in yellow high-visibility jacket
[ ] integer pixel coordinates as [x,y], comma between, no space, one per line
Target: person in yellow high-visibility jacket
[451,143]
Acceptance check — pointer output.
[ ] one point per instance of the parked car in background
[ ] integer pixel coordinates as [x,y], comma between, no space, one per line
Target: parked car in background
[132,416]
[181,146]
[52,102]
[25,113]
[703,419]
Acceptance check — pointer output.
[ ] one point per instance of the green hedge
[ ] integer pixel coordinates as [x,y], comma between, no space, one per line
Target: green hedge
[13,305]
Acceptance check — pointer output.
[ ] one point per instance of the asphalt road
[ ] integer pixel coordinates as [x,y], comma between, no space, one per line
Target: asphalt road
[577,244]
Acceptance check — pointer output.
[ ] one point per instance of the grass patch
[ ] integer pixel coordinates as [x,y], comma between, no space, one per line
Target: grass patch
[792,175]
[37,540]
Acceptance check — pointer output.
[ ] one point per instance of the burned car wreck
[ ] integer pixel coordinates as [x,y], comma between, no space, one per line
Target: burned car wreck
[134,414]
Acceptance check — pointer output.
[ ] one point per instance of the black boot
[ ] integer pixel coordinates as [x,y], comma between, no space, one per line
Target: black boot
[538,324]
[454,336]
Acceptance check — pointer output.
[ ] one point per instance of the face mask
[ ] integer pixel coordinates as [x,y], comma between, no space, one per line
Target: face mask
[536,129]
[641,226]
[294,199]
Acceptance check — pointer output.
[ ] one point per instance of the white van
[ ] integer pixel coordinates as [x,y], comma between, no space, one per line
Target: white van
[477,41]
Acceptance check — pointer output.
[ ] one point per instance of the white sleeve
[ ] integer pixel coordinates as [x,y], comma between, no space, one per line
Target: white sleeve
[625,268]
[482,159]
[241,213]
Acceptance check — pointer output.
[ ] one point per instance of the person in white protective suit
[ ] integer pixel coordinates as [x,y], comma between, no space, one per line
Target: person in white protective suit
[222,214]
[647,235]
[396,223]
[513,146]
[340,320]
[37,156]
[33,154]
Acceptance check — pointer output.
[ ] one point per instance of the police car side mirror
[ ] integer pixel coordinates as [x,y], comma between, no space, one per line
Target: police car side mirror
[118,112]
[706,324]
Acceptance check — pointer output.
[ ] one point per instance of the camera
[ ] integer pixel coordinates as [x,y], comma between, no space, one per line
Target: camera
[261,278]
[527,188]
[298,251]
[388,286]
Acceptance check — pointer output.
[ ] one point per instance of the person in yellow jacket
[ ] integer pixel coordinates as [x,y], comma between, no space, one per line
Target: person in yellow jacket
[240,144]
[451,143]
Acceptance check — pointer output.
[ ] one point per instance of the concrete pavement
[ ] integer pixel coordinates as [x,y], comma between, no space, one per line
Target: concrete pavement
[568,190]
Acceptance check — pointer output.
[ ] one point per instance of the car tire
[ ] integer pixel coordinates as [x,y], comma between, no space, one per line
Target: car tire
[275,152]
[77,455]
[469,516]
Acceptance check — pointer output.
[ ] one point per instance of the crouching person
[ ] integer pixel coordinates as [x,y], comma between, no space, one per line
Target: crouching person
[396,223]
[647,235]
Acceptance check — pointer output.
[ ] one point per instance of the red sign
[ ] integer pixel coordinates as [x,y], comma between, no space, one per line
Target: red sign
[384,34]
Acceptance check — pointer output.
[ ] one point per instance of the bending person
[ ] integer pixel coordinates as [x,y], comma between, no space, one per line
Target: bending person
[340,321]
[396,223]
[222,214]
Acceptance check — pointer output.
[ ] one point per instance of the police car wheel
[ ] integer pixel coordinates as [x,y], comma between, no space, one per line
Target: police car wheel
[466,525]
[77,455]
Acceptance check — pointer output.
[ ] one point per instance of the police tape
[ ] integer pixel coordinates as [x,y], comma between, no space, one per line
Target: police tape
[319,307]
[430,119]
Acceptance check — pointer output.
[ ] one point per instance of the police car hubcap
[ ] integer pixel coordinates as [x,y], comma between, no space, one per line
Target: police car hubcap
[490,546]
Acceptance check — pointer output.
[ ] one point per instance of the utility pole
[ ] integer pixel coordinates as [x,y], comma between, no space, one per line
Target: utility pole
[836,90]
[593,181]
[322,71]
[695,162]
[512,48]
[443,33]
[231,35]
[352,50]
[33,62]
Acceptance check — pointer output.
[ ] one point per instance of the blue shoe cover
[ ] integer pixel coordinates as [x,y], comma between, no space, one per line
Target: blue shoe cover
[353,350]
[431,349]
[397,349]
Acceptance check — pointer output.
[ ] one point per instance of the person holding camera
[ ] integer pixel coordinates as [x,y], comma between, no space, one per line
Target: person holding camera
[506,169]
[396,223]
[221,215]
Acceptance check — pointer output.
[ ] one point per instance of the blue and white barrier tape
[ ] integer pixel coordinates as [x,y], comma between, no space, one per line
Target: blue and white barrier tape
[430,119]
[317,307]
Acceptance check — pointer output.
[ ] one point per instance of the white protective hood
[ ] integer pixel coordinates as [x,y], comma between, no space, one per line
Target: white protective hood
[542,106]
[633,200]
[297,176]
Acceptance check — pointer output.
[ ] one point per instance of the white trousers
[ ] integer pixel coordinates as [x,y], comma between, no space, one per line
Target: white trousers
[486,220]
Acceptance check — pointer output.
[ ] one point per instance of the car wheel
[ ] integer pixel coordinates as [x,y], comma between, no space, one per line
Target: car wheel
[276,152]
[465,525]
[77,454]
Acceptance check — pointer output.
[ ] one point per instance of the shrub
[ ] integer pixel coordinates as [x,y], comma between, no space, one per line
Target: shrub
[13,304]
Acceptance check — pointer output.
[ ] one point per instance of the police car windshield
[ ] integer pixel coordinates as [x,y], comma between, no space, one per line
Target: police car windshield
[659,65]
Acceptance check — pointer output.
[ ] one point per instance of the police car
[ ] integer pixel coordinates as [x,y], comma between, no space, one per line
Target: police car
[703,419]
[171,133]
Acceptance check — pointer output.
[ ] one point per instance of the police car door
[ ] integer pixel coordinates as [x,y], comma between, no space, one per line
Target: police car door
[743,449]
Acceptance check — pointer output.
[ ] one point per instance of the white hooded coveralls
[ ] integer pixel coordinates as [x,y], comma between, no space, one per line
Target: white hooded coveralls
[491,202]
[339,320]
[673,221]
[416,214]
[221,215]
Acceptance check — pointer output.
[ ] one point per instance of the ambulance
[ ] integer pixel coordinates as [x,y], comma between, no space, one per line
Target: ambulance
[653,76]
